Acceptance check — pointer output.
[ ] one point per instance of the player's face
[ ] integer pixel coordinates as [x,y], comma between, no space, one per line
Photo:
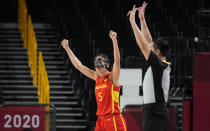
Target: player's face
[100,70]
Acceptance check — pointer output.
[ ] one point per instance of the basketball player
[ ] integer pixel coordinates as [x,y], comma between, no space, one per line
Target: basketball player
[157,78]
[107,87]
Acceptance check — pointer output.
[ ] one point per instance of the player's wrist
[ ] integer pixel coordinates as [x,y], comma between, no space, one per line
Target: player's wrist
[114,39]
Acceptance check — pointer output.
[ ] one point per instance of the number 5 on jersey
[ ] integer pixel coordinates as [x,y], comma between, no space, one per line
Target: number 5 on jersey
[100,96]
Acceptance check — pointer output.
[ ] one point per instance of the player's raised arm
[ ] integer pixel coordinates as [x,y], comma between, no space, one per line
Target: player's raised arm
[116,65]
[77,64]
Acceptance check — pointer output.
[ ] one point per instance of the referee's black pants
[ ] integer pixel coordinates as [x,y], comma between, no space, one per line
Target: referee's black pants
[155,117]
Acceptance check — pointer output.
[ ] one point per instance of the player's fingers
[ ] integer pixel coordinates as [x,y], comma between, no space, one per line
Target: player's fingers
[113,34]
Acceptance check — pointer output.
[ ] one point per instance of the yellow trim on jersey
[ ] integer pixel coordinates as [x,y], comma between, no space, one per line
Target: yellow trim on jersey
[112,98]
[123,122]
[116,96]
[115,126]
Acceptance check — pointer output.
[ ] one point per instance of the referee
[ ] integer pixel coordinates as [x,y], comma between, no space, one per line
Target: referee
[155,88]
[157,78]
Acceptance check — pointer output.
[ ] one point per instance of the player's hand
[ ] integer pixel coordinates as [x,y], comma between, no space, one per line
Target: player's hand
[65,43]
[132,13]
[142,10]
[113,35]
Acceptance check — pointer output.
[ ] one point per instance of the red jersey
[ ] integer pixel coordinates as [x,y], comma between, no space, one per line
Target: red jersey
[107,96]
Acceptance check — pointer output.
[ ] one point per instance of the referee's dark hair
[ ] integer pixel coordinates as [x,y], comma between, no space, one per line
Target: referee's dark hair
[161,44]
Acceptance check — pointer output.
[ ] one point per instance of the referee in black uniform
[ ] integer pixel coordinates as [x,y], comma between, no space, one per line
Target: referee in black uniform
[155,88]
[157,78]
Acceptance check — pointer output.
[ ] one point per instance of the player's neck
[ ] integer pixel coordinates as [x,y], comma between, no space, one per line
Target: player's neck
[102,75]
